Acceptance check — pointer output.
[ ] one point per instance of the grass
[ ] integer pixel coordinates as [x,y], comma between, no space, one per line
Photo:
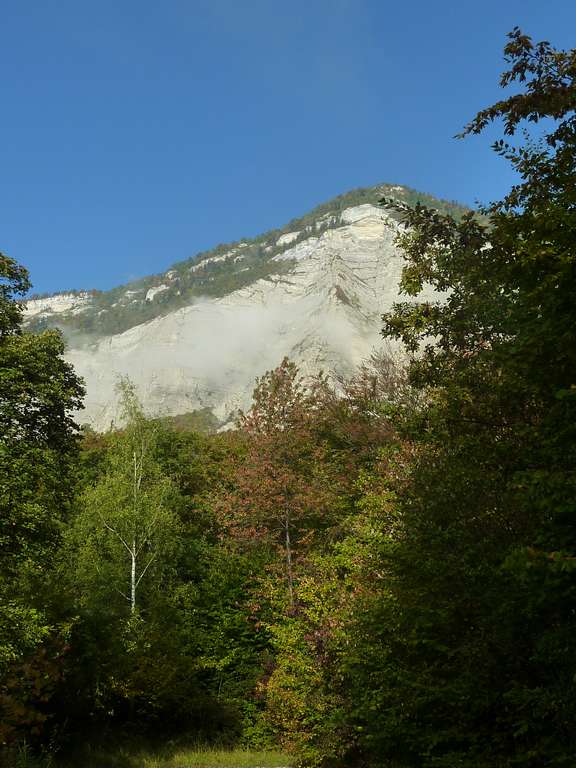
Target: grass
[192,757]
[218,758]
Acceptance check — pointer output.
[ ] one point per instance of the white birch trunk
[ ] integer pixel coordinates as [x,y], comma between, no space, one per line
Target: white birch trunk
[133,578]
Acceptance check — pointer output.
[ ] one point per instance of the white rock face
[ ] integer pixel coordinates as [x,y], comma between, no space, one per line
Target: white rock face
[325,314]
[288,238]
[151,292]
[54,305]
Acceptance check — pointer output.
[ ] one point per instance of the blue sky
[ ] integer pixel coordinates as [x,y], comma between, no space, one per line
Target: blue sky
[137,133]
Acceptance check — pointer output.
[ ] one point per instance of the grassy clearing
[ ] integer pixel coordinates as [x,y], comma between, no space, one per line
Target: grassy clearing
[217,758]
[193,757]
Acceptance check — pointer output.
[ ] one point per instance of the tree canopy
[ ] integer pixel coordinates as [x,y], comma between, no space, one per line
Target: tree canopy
[38,445]
[483,638]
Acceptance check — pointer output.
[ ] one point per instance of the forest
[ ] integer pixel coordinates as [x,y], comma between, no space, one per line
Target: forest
[380,572]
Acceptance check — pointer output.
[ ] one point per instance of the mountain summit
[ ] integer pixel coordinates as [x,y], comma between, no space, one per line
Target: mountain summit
[197,336]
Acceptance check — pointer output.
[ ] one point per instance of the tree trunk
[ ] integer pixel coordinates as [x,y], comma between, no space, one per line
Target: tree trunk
[133,578]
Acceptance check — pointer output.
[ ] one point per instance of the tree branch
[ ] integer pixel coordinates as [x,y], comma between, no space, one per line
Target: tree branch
[146,568]
[115,532]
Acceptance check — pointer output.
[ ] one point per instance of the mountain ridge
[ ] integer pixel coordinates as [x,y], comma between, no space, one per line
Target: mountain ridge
[314,294]
[213,273]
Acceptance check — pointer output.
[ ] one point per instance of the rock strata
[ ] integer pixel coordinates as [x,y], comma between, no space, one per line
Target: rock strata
[324,312]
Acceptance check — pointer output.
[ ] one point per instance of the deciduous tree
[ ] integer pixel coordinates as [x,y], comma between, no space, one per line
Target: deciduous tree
[470,653]
[127,531]
[282,491]
[38,443]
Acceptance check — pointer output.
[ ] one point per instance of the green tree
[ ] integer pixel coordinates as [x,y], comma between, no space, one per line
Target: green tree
[188,656]
[128,532]
[38,392]
[305,448]
[38,445]
[468,658]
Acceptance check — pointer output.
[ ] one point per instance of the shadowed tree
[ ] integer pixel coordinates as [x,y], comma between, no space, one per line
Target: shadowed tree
[38,444]
[469,657]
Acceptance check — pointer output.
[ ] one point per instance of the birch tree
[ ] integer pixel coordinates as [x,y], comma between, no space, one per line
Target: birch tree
[127,533]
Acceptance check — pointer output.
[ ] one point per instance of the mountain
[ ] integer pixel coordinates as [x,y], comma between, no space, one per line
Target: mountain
[196,336]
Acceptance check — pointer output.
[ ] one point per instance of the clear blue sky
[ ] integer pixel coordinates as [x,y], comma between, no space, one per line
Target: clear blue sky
[135,133]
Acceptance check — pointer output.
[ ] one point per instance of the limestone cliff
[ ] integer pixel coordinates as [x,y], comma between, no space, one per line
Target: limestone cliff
[320,303]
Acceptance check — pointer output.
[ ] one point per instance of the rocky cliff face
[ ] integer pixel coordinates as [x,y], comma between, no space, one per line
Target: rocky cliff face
[320,304]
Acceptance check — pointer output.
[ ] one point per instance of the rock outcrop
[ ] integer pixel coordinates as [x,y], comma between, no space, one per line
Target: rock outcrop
[322,309]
